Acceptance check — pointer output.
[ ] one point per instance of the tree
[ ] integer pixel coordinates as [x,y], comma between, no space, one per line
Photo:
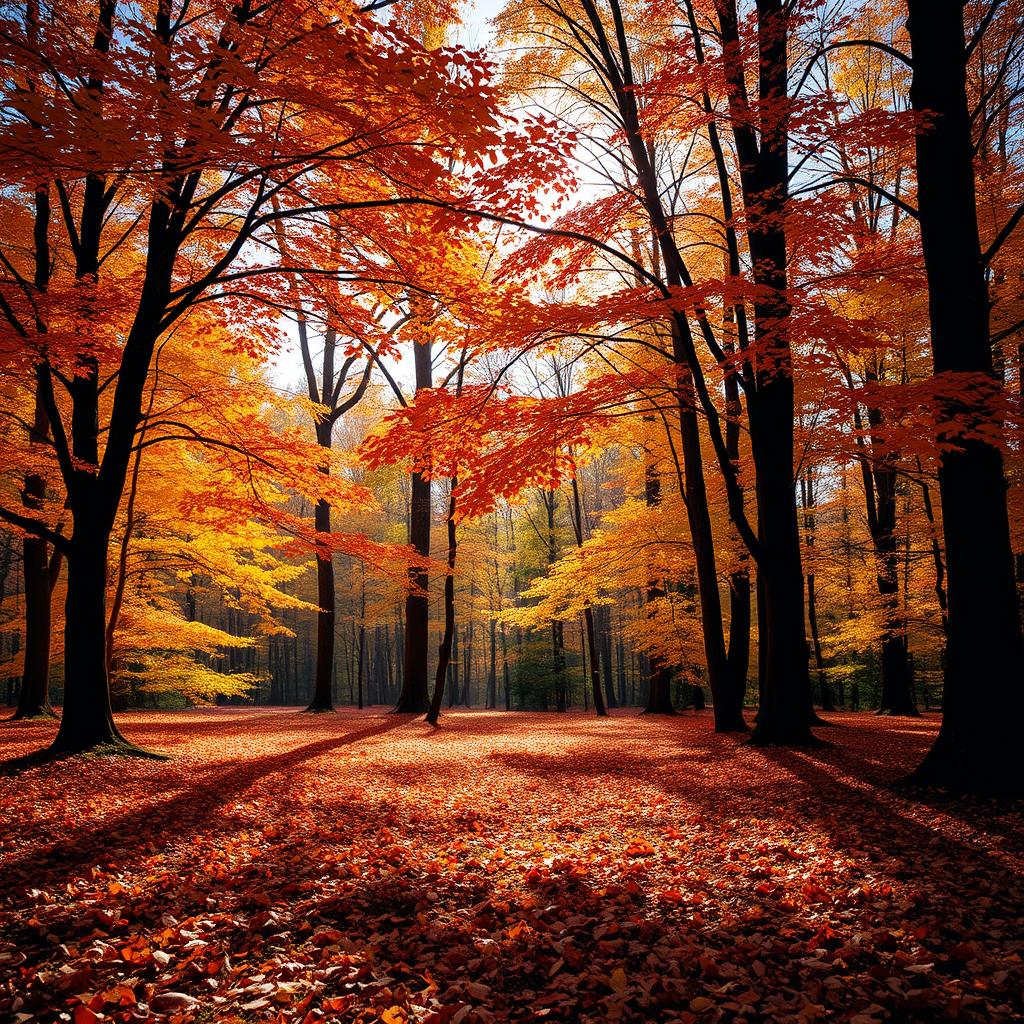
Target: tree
[974,749]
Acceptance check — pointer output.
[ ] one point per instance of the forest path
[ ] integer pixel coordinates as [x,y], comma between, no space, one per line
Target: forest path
[364,866]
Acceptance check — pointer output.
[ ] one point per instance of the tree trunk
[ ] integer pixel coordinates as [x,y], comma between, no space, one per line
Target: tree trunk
[604,624]
[977,748]
[659,692]
[362,641]
[785,713]
[34,701]
[87,724]
[810,526]
[325,618]
[444,653]
[825,691]
[588,614]
[492,672]
[414,698]
[728,712]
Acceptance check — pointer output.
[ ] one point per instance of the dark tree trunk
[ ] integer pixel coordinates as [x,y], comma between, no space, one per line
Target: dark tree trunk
[492,671]
[897,679]
[810,526]
[558,663]
[728,712]
[977,747]
[362,643]
[87,724]
[739,641]
[785,713]
[323,672]
[505,675]
[444,653]
[879,480]
[604,624]
[414,698]
[455,659]
[588,614]
[33,701]
[467,653]
[659,684]
[549,499]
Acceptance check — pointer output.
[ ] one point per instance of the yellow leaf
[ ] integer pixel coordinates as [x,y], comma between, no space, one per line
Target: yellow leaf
[618,979]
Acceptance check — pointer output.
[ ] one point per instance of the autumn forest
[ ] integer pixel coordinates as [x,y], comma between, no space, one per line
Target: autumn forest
[511,511]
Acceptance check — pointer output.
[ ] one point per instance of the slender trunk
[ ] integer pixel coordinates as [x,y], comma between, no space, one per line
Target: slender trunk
[739,578]
[659,693]
[977,745]
[445,651]
[492,672]
[414,698]
[454,662]
[785,713]
[323,671]
[588,614]
[34,701]
[728,714]
[557,628]
[322,699]
[505,675]
[362,641]
[810,526]
[879,480]
[824,690]
[604,624]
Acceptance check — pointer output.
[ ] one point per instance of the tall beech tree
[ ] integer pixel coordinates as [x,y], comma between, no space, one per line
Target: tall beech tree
[975,747]
[761,137]
[415,696]
[327,392]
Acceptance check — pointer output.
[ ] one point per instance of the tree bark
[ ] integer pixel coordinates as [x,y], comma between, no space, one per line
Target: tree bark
[978,742]
[727,710]
[588,614]
[810,524]
[444,653]
[322,700]
[34,701]
[414,698]
[87,724]
[785,713]
[659,692]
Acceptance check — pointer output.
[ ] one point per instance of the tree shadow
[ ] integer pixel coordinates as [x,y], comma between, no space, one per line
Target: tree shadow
[191,806]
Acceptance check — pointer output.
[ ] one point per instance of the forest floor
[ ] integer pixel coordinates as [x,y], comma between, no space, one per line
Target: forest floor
[524,867]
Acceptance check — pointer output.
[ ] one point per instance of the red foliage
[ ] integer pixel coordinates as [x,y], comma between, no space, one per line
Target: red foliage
[364,867]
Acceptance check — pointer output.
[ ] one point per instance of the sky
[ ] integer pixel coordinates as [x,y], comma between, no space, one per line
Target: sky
[476,32]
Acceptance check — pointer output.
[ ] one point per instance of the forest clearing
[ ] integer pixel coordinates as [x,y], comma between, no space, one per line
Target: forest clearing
[366,867]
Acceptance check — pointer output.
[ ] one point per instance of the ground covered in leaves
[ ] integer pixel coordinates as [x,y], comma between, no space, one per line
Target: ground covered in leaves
[364,867]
